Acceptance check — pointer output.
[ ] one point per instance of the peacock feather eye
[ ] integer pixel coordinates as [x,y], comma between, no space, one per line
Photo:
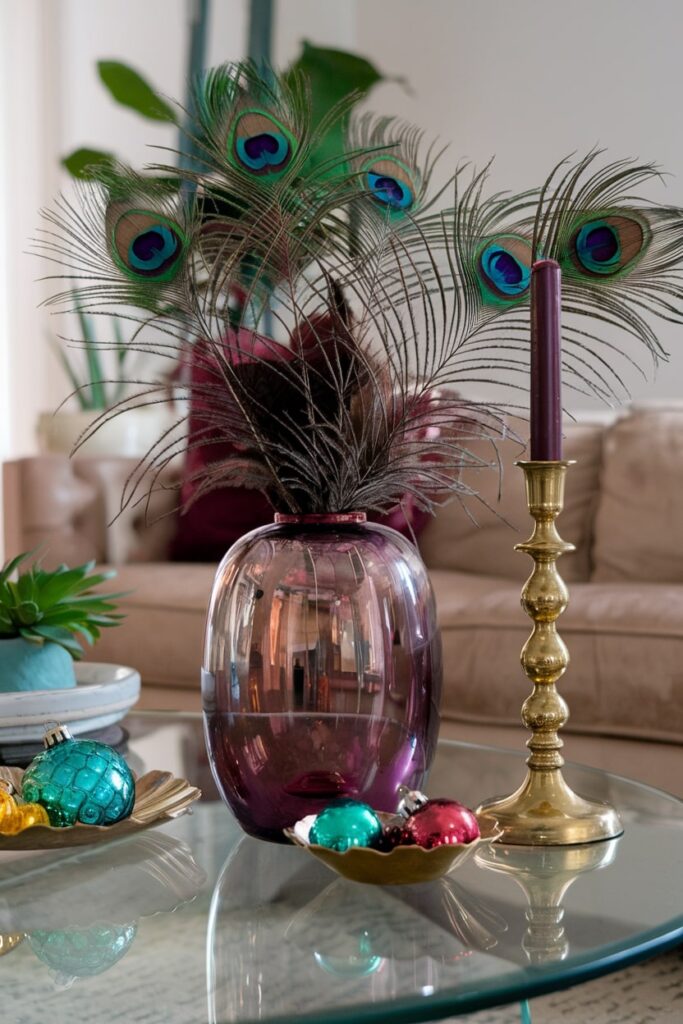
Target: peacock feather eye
[504,264]
[390,183]
[261,144]
[147,245]
[605,245]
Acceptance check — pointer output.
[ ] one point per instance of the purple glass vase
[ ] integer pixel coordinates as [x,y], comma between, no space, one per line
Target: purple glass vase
[322,669]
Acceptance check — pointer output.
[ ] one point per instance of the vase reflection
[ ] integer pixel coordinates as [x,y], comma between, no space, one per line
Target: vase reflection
[277,914]
[545,874]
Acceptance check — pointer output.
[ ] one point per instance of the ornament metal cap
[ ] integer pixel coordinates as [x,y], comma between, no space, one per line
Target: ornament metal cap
[56,733]
[411,801]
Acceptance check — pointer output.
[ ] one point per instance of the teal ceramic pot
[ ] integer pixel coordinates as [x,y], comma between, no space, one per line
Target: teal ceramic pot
[27,666]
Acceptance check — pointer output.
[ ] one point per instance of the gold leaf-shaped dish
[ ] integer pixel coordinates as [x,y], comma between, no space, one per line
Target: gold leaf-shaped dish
[159,797]
[404,865]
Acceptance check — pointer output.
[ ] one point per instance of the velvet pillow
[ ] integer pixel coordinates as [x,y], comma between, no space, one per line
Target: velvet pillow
[218,518]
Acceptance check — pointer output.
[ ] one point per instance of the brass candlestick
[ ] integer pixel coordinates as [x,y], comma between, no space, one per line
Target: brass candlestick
[544,810]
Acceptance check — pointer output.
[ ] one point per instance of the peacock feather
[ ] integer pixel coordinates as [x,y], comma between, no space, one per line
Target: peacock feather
[620,257]
[123,242]
[343,311]
[394,170]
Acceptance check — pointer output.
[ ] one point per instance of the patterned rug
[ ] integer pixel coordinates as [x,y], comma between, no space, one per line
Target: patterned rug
[648,993]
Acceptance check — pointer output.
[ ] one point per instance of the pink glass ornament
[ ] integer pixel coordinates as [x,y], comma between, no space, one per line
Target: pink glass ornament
[440,823]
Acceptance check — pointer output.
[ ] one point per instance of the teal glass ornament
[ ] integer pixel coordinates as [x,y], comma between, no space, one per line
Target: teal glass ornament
[357,963]
[83,952]
[79,780]
[344,824]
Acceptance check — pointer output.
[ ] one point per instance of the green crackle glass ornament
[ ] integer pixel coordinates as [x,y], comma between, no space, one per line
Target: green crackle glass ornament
[79,780]
[344,824]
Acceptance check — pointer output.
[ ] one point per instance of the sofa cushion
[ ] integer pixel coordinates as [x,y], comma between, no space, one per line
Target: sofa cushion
[162,636]
[625,641]
[639,521]
[483,540]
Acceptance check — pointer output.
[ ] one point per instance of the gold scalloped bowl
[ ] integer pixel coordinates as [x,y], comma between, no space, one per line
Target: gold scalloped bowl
[404,865]
[159,798]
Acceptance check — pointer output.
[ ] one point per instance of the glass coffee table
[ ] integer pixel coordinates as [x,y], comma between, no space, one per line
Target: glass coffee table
[195,923]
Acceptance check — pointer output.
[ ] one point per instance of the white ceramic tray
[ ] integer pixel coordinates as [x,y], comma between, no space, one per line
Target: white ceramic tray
[102,696]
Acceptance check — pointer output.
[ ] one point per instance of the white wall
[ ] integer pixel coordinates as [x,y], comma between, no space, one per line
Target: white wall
[527,81]
[152,37]
[53,102]
[324,22]
[28,122]
[530,81]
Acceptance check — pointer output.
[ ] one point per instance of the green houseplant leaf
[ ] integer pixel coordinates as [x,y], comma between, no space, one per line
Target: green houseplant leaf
[333,75]
[86,372]
[130,89]
[88,164]
[92,354]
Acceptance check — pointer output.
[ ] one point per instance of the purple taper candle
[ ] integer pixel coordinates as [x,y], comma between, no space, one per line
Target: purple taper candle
[546,361]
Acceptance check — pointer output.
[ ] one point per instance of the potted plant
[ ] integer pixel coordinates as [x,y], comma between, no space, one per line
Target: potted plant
[43,616]
[96,389]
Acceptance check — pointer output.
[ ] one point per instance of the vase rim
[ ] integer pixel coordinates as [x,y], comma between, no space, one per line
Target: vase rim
[319,518]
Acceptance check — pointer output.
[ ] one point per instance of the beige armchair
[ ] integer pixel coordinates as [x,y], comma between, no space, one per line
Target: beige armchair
[71,510]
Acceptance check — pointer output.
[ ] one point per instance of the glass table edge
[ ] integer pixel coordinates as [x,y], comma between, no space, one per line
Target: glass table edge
[531,984]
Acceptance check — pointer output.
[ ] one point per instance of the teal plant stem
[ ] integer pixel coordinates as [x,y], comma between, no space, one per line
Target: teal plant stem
[196,62]
[259,45]
[259,49]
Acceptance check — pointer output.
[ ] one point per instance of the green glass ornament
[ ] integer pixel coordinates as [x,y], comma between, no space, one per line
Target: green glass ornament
[79,780]
[344,824]
[83,952]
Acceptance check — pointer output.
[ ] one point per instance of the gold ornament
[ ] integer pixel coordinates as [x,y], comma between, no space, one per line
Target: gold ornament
[15,817]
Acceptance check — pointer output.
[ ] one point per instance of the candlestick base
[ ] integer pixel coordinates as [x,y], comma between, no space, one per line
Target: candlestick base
[545,810]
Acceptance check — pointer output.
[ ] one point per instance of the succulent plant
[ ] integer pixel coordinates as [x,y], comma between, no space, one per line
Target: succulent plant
[56,606]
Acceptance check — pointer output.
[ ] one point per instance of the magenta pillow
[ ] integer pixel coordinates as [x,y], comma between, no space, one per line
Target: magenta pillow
[218,518]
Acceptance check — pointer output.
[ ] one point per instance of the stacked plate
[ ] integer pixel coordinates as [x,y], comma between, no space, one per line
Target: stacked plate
[102,696]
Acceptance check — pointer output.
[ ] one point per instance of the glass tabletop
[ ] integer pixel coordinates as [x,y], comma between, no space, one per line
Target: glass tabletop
[196,923]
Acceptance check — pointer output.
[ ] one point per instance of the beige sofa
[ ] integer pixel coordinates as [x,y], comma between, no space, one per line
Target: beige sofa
[623,627]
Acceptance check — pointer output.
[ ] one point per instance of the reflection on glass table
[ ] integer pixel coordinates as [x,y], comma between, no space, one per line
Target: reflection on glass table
[544,876]
[79,912]
[339,940]
[273,935]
